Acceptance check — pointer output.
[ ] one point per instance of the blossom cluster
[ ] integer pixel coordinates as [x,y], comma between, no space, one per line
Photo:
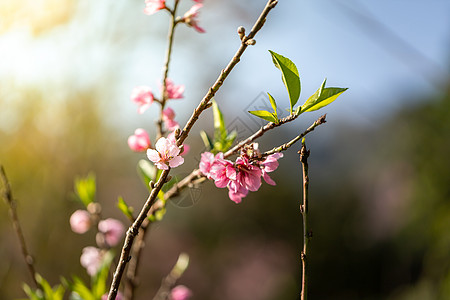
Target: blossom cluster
[243,175]
[110,232]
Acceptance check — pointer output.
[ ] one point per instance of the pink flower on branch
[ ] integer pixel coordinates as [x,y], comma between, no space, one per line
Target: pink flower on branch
[268,165]
[180,292]
[80,221]
[152,6]
[167,154]
[168,116]
[112,231]
[191,17]
[243,175]
[143,97]
[140,141]
[173,91]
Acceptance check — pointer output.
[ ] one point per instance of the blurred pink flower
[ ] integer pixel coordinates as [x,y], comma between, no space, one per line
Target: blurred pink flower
[119,296]
[167,154]
[152,6]
[198,1]
[143,97]
[140,141]
[91,259]
[191,17]
[173,91]
[112,229]
[180,292]
[80,221]
[168,116]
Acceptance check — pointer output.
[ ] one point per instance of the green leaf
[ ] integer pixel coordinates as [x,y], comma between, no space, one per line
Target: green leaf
[290,77]
[220,131]
[85,189]
[206,140]
[147,171]
[99,280]
[124,208]
[81,290]
[263,114]
[322,97]
[273,104]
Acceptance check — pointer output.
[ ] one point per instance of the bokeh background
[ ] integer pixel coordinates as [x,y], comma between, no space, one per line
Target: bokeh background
[380,170]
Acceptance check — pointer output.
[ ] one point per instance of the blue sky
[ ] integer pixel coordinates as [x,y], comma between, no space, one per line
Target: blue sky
[386,52]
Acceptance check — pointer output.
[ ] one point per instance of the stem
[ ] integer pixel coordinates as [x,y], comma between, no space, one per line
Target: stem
[284,147]
[131,276]
[204,104]
[170,36]
[259,133]
[132,232]
[304,154]
[7,195]
[171,279]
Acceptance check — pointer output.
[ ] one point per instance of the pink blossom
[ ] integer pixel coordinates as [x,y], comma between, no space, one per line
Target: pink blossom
[143,96]
[152,6]
[168,116]
[80,221]
[186,147]
[198,1]
[173,91]
[140,141]
[112,229]
[249,175]
[91,259]
[166,154]
[180,292]
[191,17]
[222,171]
[236,191]
[268,165]
[206,161]
[119,296]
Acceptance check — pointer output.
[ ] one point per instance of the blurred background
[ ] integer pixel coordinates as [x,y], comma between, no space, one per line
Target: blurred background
[379,168]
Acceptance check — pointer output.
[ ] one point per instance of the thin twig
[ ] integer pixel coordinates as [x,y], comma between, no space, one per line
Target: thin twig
[132,232]
[259,133]
[307,234]
[171,279]
[7,195]
[173,23]
[285,146]
[204,104]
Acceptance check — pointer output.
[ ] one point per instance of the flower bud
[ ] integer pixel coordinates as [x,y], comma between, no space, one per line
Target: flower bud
[80,221]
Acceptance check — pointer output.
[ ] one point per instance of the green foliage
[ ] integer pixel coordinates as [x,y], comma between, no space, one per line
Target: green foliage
[222,139]
[266,115]
[322,97]
[147,171]
[85,189]
[124,208]
[46,293]
[290,77]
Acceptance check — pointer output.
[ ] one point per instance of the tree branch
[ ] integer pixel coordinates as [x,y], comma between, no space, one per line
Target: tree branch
[7,195]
